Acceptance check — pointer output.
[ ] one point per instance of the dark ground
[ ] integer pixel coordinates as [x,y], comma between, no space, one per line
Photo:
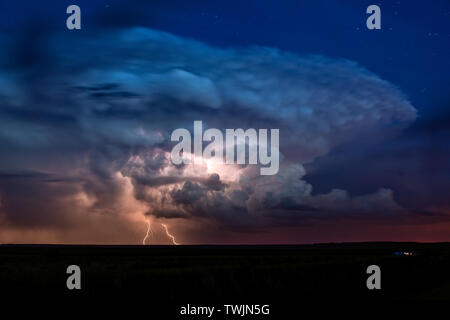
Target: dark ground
[276,275]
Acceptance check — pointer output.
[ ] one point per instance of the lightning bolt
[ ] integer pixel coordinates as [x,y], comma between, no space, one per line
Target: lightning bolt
[169,235]
[149,231]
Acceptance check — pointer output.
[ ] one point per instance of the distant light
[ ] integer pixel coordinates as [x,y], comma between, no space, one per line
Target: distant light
[403,253]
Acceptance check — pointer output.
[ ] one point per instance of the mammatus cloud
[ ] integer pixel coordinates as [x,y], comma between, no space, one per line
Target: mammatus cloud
[94,129]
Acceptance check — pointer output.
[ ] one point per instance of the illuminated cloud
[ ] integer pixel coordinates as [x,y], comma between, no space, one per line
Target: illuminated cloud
[97,124]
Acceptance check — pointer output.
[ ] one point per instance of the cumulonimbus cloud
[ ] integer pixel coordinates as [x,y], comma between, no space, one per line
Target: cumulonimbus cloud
[103,113]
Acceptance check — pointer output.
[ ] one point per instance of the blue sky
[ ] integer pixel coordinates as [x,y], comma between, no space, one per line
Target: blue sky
[80,108]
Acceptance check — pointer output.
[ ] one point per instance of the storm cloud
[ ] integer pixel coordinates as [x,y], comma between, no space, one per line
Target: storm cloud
[87,123]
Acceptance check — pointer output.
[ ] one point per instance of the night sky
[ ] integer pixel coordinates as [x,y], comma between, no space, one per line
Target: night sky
[86,117]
